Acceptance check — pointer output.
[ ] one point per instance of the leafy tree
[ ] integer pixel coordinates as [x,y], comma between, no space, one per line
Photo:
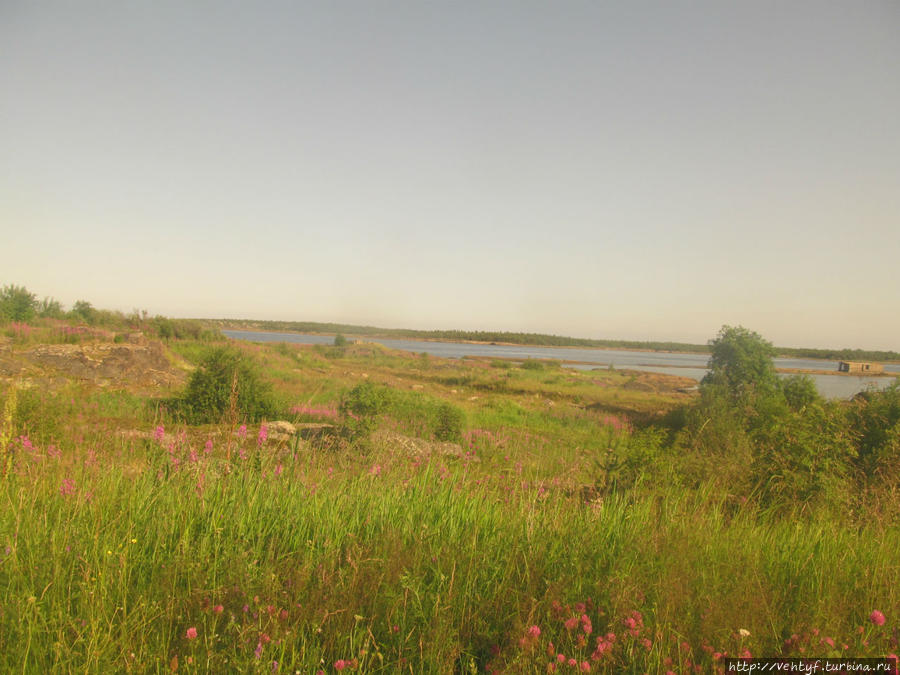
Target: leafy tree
[227,383]
[85,311]
[340,340]
[16,303]
[50,308]
[741,362]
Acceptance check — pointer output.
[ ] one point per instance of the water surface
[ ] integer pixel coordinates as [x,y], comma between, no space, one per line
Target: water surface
[670,363]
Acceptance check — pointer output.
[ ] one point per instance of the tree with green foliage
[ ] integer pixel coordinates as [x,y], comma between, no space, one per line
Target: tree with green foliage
[227,384]
[340,340]
[85,311]
[50,308]
[17,303]
[741,362]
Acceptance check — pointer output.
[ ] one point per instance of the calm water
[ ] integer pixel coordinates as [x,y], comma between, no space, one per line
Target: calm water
[686,365]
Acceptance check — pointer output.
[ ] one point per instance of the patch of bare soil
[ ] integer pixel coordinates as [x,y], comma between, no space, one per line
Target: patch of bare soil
[143,366]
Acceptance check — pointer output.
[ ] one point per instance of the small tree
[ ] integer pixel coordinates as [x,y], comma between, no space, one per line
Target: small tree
[16,303]
[85,311]
[360,408]
[340,340]
[50,308]
[741,362]
[227,383]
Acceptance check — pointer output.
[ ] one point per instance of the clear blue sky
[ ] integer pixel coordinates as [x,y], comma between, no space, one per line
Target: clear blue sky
[600,169]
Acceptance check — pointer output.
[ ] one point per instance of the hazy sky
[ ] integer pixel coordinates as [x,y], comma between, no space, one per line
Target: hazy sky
[599,169]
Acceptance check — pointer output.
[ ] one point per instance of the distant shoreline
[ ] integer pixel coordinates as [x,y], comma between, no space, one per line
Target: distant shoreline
[372,332]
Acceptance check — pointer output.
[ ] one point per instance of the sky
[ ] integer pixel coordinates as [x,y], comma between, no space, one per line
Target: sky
[620,169]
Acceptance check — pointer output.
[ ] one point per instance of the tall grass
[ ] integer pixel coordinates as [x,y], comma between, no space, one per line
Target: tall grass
[301,561]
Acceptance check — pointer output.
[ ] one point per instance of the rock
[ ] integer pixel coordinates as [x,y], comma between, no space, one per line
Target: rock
[314,430]
[281,430]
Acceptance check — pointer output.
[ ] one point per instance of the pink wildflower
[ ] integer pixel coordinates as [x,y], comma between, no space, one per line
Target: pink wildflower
[242,431]
[340,664]
[585,667]
[191,633]
[263,435]
[218,609]
[67,488]
[159,433]
[208,447]
[534,631]
[876,617]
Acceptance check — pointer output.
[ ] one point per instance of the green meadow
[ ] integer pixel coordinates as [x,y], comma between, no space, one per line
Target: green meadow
[431,516]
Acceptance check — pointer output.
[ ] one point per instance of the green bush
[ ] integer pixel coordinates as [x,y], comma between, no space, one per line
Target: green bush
[227,385]
[359,409]
[449,422]
[875,417]
[804,458]
[799,391]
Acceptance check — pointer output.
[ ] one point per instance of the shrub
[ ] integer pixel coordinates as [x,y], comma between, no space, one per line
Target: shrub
[804,458]
[876,419]
[799,391]
[360,408]
[449,422]
[227,384]
[340,340]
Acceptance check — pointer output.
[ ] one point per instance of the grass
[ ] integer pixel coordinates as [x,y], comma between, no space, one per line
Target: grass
[128,544]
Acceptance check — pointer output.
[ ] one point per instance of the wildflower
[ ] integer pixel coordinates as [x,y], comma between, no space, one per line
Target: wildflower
[258,651]
[159,433]
[743,632]
[67,488]
[586,624]
[218,609]
[278,470]
[876,617]
[242,431]
[585,667]
[534,631]
[191,633]
[208,447]
[263,435]
[340,664]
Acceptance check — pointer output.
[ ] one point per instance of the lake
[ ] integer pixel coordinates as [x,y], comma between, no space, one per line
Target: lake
[671,363]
